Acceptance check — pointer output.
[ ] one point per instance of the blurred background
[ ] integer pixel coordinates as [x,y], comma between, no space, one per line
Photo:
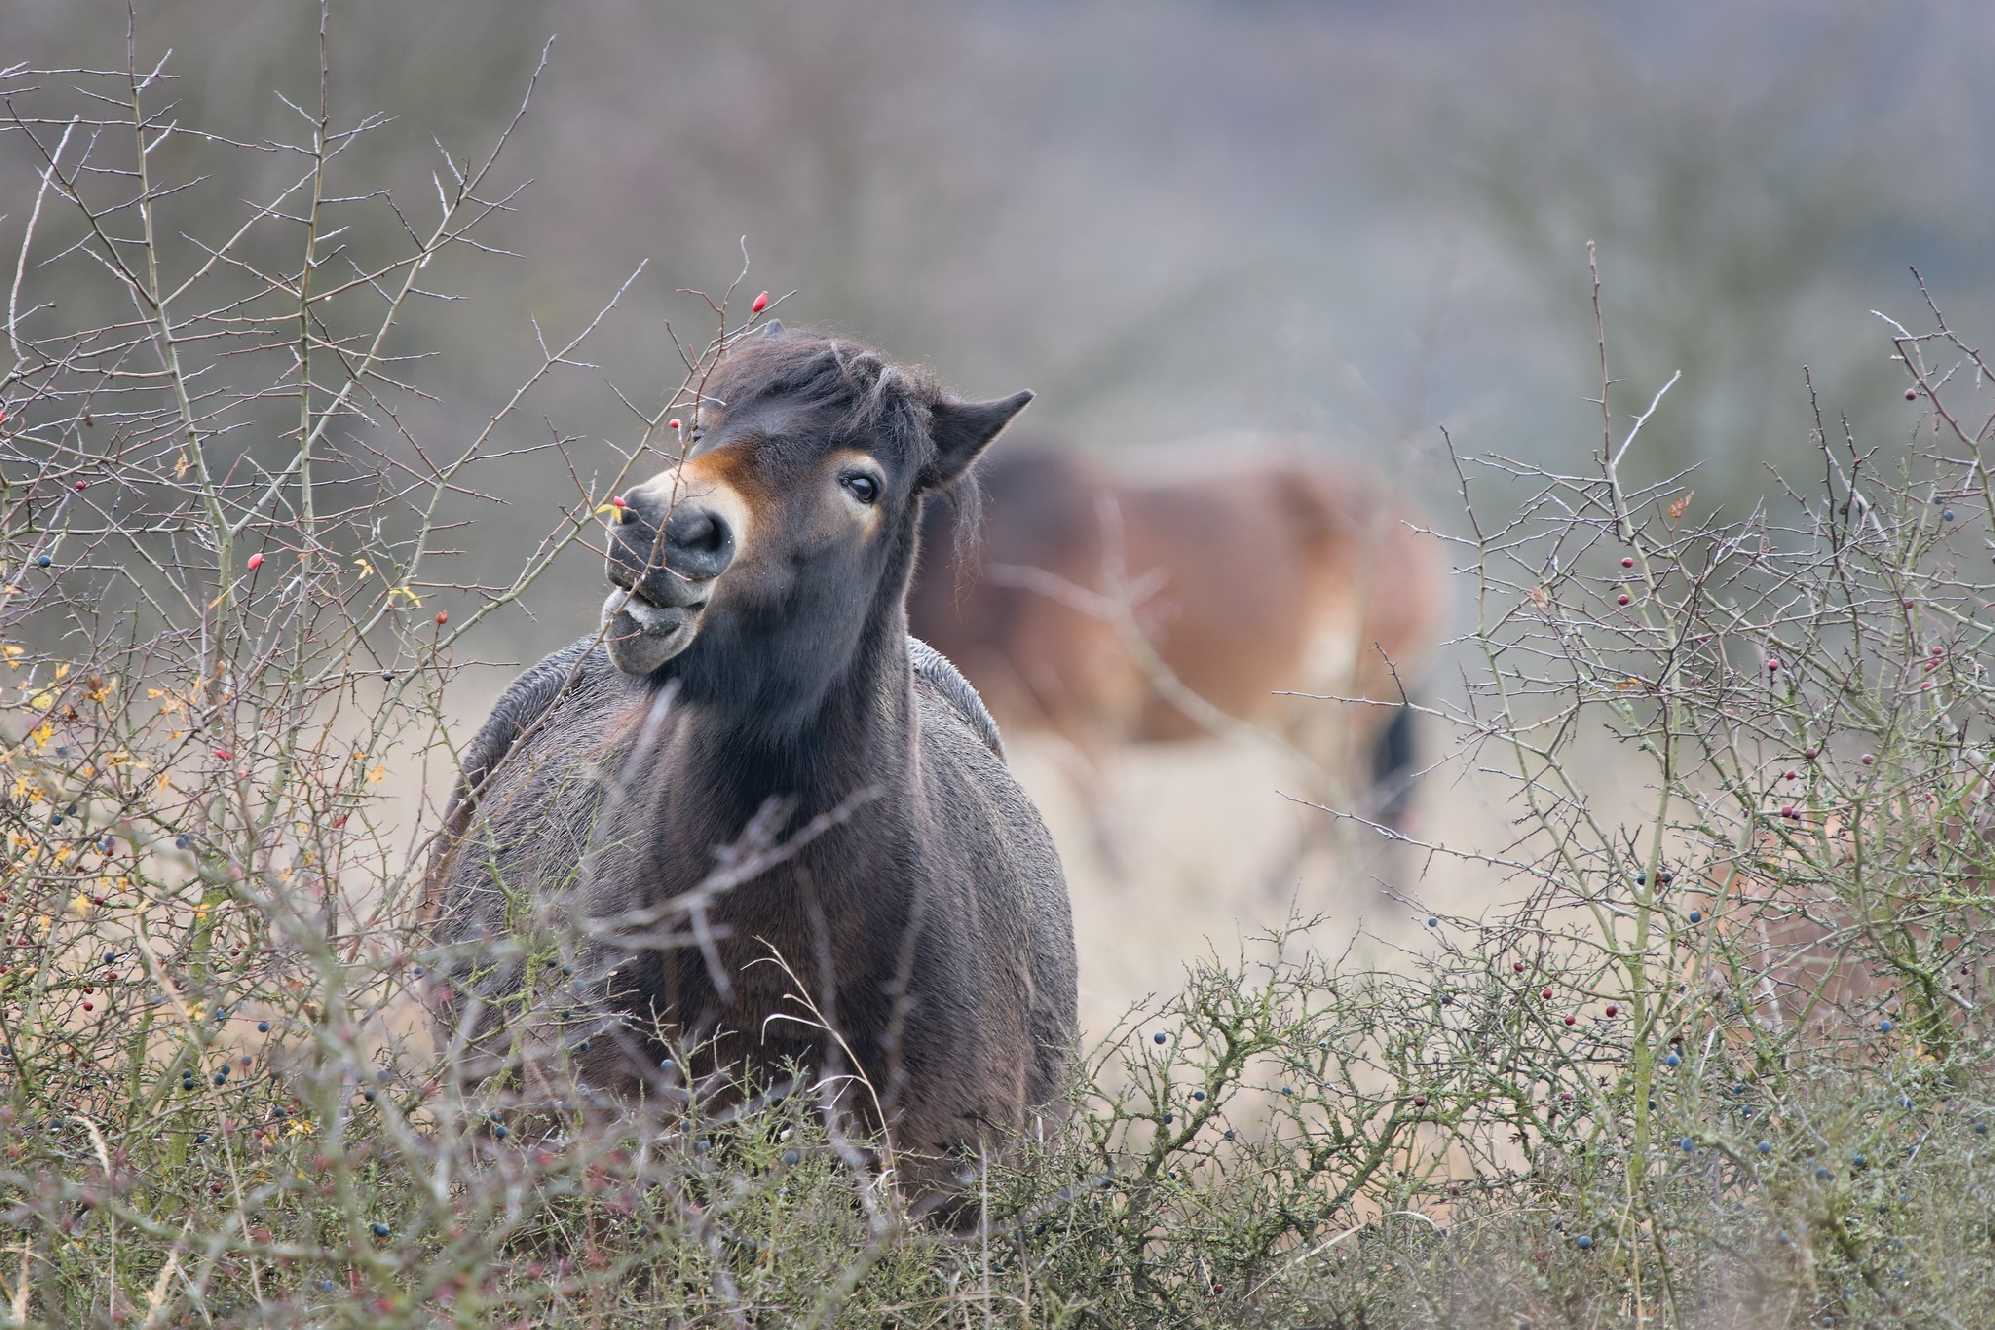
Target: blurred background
[1348,223]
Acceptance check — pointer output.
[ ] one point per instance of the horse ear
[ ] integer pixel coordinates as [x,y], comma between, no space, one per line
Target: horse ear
[962,430]
[772,329]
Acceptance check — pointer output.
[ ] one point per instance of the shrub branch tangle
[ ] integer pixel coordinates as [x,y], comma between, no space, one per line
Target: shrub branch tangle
[1714,1053]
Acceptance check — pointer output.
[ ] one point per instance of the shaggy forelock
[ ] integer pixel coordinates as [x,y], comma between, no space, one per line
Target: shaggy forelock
[851,389]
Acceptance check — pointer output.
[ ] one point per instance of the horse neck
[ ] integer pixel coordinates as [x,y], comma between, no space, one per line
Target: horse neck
[857,742]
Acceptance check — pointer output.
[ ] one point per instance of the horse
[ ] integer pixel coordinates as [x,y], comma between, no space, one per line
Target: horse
[1117,606]
[759,820]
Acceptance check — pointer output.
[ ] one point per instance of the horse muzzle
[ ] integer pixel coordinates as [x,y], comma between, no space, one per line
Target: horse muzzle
[641,636]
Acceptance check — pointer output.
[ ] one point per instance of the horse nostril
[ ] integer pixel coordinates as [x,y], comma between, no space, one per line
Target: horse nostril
[697,542]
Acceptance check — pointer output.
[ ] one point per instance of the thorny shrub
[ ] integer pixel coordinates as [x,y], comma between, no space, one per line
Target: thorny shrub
[1713,1054]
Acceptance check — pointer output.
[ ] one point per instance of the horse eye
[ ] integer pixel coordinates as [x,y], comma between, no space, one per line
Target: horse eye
[861,486]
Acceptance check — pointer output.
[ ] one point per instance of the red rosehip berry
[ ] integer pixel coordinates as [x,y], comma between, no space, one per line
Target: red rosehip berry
[1869,759]
[1787,810]
[1621,599]
[1911,394]
[1545,993]
[1572,1020]
[616,501]
[255,561]
[1627,562]
[442,618]
[1613,1010]
[1517,967]
[1772,664]
[761,302]
[675,424]
[82,485]
[224,754]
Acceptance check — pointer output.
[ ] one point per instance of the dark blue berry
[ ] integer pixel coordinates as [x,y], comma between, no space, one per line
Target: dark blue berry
[1160,1036]
[1688,1144]
[1673,1061]
[1198,1096]
[1697,916]
[702,1145]
[1947,516]
[1584,1242]
[792,1157]
[500,1130]
[181,842]
[1168,1117]
[1980,1129]
[1823,1174]
[263,1027]
[381,1230]
[327,1286]
[43,561]
[1432,922]
[1765,1147]
[1884,1027]
[1227,1134]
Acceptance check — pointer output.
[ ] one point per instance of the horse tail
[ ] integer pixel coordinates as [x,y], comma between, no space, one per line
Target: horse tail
[1396,766]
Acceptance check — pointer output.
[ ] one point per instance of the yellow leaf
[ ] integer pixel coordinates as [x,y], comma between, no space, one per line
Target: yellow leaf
[377,775]
[62,672]
[44,732]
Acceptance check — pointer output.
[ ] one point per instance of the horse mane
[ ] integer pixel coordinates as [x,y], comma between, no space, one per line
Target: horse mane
[848,387]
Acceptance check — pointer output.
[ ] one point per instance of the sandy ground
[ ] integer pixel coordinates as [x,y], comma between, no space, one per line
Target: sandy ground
[1200,831]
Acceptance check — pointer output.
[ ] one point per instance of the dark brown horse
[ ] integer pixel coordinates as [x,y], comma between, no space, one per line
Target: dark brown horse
[1126,606]
[752,760]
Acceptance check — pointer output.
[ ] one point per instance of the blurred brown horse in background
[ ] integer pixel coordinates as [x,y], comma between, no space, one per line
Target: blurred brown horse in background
[1115,606]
